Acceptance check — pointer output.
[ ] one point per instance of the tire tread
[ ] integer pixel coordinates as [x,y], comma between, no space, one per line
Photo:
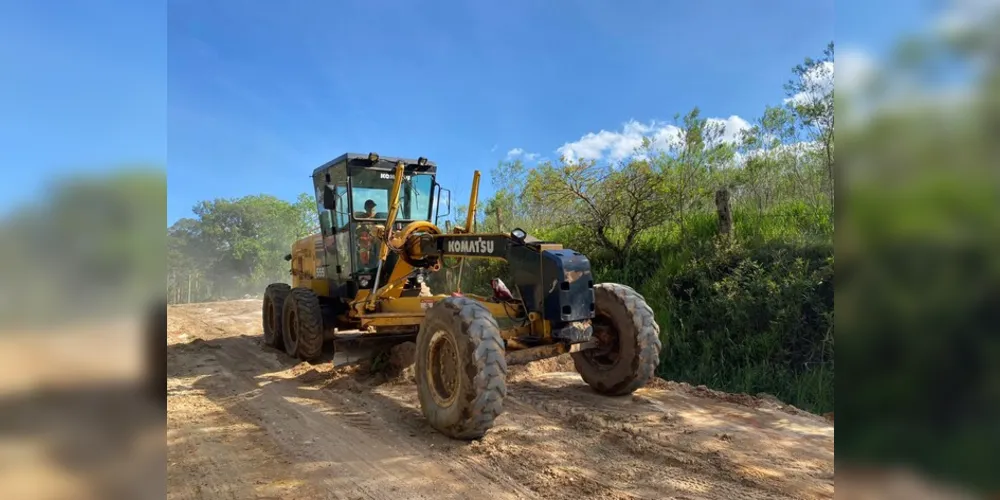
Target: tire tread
[486,368]
[648,344]
[276,293]
[310,317]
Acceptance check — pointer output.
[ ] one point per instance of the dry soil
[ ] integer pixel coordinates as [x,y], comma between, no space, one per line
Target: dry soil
[246,421]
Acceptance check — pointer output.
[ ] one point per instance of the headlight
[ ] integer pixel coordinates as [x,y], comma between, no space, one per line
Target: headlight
[518,234]
[373,157]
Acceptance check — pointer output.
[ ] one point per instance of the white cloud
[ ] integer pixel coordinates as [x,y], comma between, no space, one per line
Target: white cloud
[622,144]
[732,127]
[818,82]
[617,144]
[520,153]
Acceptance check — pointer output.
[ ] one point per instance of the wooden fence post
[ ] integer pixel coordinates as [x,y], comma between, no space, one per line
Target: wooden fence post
[724,211]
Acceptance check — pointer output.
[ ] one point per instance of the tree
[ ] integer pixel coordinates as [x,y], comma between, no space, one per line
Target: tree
[614,205]
[308,215]
[188,256]
[811,98]
[692,165]
[92,245]
[235,246]
[769,165]
[511,183]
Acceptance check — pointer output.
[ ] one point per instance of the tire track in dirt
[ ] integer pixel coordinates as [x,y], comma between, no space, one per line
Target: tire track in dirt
[626,443]
[380,420]
[362,454]
[246,421]
[692,453]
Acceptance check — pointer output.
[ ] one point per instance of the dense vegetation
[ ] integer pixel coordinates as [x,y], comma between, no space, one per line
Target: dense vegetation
[91,246]
[917,298]
[746,306]
[234,247]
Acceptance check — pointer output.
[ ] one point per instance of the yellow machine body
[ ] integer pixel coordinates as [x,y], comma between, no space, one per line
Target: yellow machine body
[364,280]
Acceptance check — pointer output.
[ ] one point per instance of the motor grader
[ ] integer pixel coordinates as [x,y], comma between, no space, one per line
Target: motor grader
[364,280]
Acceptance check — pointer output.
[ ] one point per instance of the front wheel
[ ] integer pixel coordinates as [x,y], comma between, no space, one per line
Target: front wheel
[628,342]
[461,369]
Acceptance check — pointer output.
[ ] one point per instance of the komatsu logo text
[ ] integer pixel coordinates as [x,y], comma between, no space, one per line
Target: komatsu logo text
[391,176]
[471,246]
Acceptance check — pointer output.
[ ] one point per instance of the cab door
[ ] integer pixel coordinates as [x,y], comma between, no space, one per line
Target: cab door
[335,242]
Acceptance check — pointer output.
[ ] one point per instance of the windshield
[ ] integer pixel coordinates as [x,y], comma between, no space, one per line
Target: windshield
[370,195]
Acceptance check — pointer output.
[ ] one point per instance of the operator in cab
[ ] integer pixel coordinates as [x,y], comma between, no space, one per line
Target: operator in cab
[369,212]
[366,240]
[364,230]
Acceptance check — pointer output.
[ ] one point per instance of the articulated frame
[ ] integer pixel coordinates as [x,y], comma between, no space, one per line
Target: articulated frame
[555,285]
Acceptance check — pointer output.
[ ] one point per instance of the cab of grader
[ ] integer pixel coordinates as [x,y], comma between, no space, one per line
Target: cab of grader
[363,281]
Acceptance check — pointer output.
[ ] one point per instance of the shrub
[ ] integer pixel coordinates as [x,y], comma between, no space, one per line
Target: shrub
[751,320]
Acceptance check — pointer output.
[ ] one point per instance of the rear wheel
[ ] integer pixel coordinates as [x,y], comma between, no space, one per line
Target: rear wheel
[302,325]
[628,342]
[460,368]
[274,301]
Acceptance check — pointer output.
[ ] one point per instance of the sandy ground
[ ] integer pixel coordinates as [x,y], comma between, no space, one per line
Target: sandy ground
[245,421]
[76,421]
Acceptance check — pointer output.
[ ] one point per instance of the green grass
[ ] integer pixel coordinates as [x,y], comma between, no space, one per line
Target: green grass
[750,315]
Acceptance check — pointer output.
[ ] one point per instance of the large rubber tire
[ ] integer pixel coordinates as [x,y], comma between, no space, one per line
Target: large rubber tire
[461,368]
[629,350]
[302,325]
[271,310]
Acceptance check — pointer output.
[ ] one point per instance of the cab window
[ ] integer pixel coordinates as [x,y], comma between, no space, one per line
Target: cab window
[370,196]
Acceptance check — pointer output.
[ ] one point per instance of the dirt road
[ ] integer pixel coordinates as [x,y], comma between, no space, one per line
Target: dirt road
[245,421]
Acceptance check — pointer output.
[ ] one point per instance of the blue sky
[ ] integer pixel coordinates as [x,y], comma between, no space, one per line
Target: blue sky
[82,89]
[248,97]
[259,97]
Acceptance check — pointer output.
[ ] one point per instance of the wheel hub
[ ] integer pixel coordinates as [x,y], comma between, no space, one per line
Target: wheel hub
[607,351]
[442,368]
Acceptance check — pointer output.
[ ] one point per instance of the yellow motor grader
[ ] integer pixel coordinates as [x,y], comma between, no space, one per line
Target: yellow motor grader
[364,279]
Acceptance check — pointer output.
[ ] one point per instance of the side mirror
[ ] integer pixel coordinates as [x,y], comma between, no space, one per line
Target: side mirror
[439,215]
[329,198]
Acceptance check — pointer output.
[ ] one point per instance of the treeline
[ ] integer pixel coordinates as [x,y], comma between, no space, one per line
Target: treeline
[90,245]
[918,236]
[729,240]
[234,247]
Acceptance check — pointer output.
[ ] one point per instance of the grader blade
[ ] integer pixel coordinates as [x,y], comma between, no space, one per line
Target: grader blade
[351,349]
